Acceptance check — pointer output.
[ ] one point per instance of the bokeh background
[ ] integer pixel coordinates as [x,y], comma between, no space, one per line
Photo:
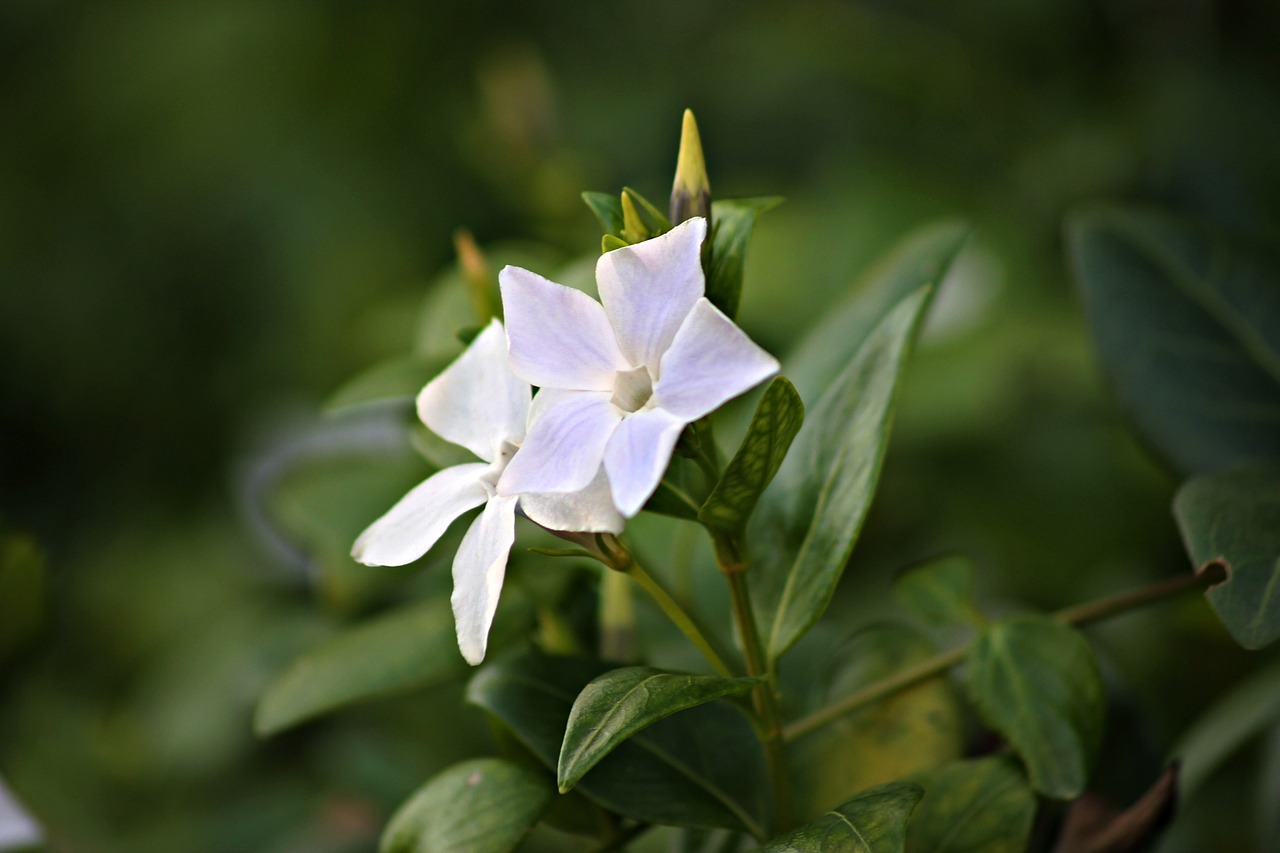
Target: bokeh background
[213,213]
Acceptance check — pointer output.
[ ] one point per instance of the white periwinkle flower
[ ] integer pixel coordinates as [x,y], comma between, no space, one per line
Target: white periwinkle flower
[478,403]
[621,379]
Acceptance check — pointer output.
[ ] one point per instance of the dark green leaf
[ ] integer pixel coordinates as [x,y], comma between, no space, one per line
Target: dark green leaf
[409,648]
[874,822]
[939,592]
[778,418]
[485,805]
[731,224]
[981,806]
[699,768]
[1234,518]
[681,491]
[397,379]
[607,209]
[622,702]
[831,477]
[1187,322]
[1036,682]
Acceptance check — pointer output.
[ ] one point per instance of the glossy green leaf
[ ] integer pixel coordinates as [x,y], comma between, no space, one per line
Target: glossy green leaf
[397,379]
[1234,518]
[1187,322]
[607,208]
[485,805]
[1036,682]
[409,648]
[622,702]
[980,806]
[873,822]
[939,592]
[837,459]
[699,768]
[777,419]
[732,221]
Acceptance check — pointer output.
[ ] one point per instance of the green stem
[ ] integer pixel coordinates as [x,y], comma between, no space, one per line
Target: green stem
[677,615]
[1079,615]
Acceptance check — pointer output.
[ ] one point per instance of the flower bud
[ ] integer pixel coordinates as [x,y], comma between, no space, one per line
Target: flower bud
[691,192]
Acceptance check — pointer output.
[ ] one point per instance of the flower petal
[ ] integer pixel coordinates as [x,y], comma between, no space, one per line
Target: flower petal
[565,445]
[588,511]
[649,288]
[558,337]
[413,525]
[478,570]
[710,361]
[637,456]
[477,402]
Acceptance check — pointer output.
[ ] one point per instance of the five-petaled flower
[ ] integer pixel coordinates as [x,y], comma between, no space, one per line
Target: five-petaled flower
[622,377]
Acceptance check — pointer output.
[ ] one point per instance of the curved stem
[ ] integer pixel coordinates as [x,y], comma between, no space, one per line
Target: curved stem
[677,615]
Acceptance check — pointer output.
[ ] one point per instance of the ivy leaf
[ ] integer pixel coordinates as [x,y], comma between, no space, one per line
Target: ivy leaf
[971,806]
[1187,322]
[732,221]
[1036,682]
[622,702]
[1233,518]
[778,418]
[412,647]
[607,208]
[939,592]
[873,822]
[688,770]
[485,805]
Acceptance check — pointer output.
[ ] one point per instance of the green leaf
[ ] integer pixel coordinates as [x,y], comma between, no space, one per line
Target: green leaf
[699,768]
[981,806]
[874,822]
[1187,322]
[1233,518]
[485,805]
[778,418]
[732,221]
[681,491]
[1036,682]
[939,592]
[411,647]
[654,220]
[397,379]
[622,702]
[609,242]
[832,479]
[607,208]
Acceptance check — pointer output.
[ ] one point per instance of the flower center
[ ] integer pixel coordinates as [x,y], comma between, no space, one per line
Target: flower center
[489,479]
[632,389]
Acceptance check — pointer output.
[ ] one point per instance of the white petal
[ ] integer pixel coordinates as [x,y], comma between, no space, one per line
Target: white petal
[477,401]
[558,337]
[413,525]
[588,511]
[710,361]
[649,288]
[637,456]
[565,445]
[478,569]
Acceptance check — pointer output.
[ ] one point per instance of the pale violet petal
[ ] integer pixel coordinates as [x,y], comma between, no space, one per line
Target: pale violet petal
[477,402]
[649,288]
[18,829]
[588,511]
[710,361]
[413,525]
[558,337]
[637,456]
[565,445]
[478,570]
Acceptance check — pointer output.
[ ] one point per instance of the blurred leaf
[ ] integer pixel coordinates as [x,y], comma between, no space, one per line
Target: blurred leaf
[1036,682]
[911,731]
[838,460]
[874,822]
[778,418]
[22,591]
[1233,518]
[1187,323]
[979,806]
[1094,826]
[607,208]
[939,592]
[687,770]
[731,224]
[411,647]
[622,702]
[396,379]
[485,805]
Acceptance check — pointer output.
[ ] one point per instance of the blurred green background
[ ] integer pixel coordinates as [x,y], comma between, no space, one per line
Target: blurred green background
[213,213]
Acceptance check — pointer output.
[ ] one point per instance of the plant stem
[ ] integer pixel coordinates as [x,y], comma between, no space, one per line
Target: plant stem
[1080,614]
[677,615]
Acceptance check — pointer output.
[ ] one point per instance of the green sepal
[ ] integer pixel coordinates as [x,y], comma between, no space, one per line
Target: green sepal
[607,208]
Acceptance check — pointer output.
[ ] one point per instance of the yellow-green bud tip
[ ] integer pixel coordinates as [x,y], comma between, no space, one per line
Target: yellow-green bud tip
[691,192]
[476,271]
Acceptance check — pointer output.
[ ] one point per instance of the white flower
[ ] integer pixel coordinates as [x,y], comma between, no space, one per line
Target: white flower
[478,403]
[621,379]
